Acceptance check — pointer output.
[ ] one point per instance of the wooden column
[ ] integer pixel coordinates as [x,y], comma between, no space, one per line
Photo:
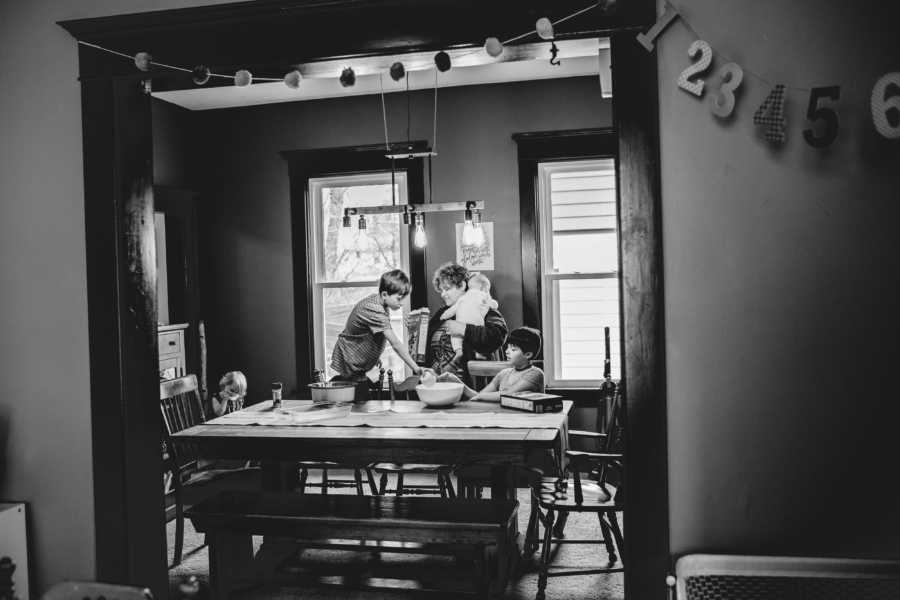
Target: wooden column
[122,309]
[636,117]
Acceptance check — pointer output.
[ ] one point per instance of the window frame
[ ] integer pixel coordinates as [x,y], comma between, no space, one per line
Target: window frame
[304,165]
[533,149]
[549,293]
[315,241]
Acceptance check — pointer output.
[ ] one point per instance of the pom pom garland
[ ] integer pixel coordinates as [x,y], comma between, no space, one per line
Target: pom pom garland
[348,77]
[397,71]
[243,78]
[442,61]
[292,79]
[544,28]
[142,61]
[200,74]
[493,47]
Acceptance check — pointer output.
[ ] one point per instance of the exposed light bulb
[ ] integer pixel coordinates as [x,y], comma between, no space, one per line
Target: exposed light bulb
[478,235]
[468,234]
[419,238]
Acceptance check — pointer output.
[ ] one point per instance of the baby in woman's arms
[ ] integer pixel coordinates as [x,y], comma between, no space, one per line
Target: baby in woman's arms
[470,308]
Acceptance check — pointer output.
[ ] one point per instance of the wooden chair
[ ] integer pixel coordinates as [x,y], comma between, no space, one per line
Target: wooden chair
[92,590]
[181,408]
[443,485]
[556,497]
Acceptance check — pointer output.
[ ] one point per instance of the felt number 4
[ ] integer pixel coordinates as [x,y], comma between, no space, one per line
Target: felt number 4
[826,115]
[701,66]
[771,115]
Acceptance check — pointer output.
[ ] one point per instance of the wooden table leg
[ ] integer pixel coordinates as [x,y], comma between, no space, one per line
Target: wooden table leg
[230,555]
[280,476]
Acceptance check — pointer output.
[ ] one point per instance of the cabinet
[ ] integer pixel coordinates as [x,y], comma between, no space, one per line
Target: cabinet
[13,550]
[172,361]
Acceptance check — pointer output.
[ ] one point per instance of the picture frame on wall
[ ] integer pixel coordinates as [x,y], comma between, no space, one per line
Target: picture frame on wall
[476,257]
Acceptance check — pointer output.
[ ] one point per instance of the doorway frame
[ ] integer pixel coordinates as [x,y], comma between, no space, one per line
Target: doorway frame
[121,273]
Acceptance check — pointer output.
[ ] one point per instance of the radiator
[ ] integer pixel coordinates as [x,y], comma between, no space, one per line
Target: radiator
[734,577]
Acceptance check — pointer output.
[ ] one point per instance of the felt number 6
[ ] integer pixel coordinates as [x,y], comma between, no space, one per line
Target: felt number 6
[696,87]
[722,104]
[881,106]
[827,115]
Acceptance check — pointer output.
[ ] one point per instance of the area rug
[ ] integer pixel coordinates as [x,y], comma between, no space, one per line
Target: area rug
[435,568]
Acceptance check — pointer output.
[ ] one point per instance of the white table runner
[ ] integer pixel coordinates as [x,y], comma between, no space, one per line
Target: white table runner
[386,414]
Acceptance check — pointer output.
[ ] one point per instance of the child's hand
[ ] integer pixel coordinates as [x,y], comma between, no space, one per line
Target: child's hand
[428,378]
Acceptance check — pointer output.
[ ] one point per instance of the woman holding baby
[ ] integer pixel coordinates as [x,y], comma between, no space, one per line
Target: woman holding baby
[469,321]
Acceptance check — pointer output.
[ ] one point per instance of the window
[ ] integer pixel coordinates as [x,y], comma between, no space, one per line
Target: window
[346,263]
[579,258]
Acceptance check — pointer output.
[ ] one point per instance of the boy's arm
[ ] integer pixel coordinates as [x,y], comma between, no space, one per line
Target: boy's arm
[490,392]
[468,392]
[402,351]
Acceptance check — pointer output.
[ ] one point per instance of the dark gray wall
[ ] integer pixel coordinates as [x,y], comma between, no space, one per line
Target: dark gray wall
[249,299]
[781,299]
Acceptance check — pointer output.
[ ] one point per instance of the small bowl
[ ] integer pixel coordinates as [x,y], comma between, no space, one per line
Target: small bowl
[442,393]
[336,392]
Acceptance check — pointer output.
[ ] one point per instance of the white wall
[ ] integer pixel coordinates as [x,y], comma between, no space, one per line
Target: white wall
[781,299]
[45,427]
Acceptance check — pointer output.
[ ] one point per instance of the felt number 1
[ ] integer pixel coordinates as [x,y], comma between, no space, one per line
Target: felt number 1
[647,39]
[699,67]
[771,115]
[826,115]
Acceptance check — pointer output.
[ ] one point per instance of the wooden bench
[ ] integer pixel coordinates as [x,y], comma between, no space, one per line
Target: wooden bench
[482,529]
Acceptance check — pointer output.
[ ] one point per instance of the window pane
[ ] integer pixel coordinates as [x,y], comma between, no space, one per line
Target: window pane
[336,305]
[349,253]
[585,253]
[585,307]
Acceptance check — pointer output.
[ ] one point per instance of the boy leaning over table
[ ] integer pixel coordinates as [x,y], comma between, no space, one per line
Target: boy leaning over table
[522,345]
[359,346]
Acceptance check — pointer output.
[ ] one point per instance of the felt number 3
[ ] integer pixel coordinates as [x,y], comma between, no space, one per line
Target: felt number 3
[827,115]
[882,106]
[684,82]
[722,104]
[771,114]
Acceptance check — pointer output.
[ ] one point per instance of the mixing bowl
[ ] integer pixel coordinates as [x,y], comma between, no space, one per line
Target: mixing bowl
[442,393]
[337,392]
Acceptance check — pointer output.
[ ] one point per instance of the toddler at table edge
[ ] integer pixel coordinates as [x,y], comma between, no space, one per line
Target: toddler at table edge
[522,345]
[359,346]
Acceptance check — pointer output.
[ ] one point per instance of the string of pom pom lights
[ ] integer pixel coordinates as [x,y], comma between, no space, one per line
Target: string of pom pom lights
[493,46]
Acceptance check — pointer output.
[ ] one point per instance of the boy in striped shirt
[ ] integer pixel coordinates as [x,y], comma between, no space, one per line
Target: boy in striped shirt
[359,346]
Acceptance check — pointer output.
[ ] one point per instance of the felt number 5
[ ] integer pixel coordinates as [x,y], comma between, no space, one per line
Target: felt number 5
[827,115]
[882,106]
[722,104]
[684,82]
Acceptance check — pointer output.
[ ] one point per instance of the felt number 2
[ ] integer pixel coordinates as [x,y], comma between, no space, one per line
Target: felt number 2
[826,115]
[771,115]
[684,82]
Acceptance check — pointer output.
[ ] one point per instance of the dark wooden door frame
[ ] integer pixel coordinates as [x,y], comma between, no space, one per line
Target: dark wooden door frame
[262,36]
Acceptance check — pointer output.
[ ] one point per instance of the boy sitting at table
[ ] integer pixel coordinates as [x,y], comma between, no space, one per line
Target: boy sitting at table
[522,345]
[359,346]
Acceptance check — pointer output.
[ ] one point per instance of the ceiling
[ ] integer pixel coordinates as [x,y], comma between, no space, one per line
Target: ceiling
[523,62]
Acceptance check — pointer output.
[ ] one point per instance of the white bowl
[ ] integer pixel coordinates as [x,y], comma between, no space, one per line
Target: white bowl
[442,393]
[338,392]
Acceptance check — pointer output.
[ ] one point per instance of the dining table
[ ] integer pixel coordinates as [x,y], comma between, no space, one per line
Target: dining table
[398,431]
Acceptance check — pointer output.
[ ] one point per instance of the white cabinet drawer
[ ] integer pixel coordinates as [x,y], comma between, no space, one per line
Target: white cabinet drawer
[171,343]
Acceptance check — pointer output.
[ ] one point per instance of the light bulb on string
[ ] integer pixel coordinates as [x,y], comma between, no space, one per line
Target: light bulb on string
[479,230]
[419,238]
[468,234]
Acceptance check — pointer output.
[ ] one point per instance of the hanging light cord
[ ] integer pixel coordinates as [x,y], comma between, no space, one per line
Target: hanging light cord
[434,120]
[387,145]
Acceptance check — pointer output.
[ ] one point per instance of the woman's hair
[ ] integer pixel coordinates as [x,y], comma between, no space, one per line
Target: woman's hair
[395,282]
[450,273]
[526,339]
